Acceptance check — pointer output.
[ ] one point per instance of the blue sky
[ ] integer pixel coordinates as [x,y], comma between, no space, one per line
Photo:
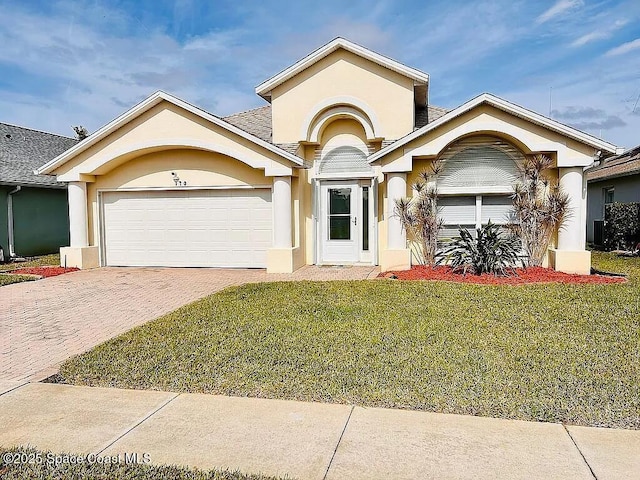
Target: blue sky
[65,63]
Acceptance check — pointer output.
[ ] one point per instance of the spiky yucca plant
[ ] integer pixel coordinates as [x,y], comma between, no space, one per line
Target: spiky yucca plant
[419,216]
[540,208]
[490,252]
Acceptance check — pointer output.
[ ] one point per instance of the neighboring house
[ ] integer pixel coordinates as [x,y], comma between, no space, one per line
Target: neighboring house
[34,216]
[616,179]
[310,178]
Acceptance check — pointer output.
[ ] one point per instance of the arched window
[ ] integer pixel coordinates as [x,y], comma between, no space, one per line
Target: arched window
[476,182]
[480,165]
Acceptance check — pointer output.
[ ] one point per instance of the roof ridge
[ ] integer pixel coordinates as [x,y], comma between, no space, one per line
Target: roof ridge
[36,130]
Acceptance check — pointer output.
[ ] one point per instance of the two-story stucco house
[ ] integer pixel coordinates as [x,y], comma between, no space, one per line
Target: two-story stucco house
[311,177]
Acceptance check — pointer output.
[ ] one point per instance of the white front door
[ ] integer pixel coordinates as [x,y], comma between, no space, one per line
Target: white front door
[339,219]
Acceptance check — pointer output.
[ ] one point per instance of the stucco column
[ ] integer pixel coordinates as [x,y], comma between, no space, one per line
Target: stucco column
[78,214]
[282,233]
[571,255]
[570,236]
[396,188]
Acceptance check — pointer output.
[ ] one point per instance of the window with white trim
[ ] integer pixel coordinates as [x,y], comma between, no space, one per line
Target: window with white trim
[609,194]
[472,212]
[476,182]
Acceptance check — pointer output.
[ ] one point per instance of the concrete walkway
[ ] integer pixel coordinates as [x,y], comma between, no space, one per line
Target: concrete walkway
[45,322]
[307,440]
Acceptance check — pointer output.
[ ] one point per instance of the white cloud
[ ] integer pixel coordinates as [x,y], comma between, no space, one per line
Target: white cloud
[624,48]
[559,8]
[599,34]
[90,74]
[81,70]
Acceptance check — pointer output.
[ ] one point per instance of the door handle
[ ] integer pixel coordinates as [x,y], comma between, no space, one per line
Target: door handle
[355,220]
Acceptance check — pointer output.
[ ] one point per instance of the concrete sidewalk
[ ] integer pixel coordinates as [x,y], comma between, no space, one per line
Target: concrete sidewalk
[307,440]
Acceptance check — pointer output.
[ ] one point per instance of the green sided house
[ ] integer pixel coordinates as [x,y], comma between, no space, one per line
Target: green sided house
[33,208]
[312,176]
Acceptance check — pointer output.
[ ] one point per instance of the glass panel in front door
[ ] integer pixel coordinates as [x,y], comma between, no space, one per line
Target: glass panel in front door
[339,214]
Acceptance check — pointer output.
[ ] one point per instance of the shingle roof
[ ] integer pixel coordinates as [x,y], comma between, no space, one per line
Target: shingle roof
[258,122]
[22,150]
[428,114]
[627,163]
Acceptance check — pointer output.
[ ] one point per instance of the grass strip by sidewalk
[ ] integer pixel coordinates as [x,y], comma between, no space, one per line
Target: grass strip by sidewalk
[41,261]
[552,352]
[29,463]
[9,279]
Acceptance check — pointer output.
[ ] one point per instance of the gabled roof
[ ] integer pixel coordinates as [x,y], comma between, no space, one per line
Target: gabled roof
[265,88]
[512,108]
[627,163]
[146,105]
[22,150]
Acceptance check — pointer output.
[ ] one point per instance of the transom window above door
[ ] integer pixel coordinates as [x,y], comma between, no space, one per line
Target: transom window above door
[344,159]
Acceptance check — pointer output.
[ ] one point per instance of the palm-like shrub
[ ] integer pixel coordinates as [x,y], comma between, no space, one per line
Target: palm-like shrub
[419,216]
[490,252]
[539,209]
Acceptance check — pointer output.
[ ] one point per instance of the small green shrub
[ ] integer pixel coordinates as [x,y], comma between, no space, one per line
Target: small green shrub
[490,252]
[621,226]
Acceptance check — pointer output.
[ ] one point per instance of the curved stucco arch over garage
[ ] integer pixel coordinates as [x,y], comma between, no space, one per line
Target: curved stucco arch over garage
[340,107]
[101,164]
[181,168]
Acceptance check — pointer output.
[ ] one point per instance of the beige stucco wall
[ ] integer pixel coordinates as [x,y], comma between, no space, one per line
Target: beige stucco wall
[167,125]
[388,95]
[143,153]
[529,138]
[343,132]
[485,119]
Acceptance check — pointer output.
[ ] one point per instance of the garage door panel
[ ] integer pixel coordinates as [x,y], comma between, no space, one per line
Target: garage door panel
[214,228]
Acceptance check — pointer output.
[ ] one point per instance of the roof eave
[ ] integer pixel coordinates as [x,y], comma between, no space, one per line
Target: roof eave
[612,177]
[59,186]
[508,107]
[265,88]
[144,106]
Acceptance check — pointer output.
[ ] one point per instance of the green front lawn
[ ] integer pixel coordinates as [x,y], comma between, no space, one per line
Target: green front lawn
[5,268]
[9,279]
[41,261]
[28,463]
[562,353]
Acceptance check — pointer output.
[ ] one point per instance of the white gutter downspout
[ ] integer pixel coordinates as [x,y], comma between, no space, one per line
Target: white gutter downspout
[12,253]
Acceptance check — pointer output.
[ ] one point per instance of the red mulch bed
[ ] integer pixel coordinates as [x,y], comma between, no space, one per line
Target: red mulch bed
[521,276]
[44,271]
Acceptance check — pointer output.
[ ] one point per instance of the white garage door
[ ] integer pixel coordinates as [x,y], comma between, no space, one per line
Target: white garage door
[189,228]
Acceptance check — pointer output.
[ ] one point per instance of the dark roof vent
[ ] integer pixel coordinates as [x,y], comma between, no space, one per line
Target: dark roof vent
[8,135]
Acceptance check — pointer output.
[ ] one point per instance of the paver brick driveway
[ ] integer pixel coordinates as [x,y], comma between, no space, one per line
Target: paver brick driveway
[45,322]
